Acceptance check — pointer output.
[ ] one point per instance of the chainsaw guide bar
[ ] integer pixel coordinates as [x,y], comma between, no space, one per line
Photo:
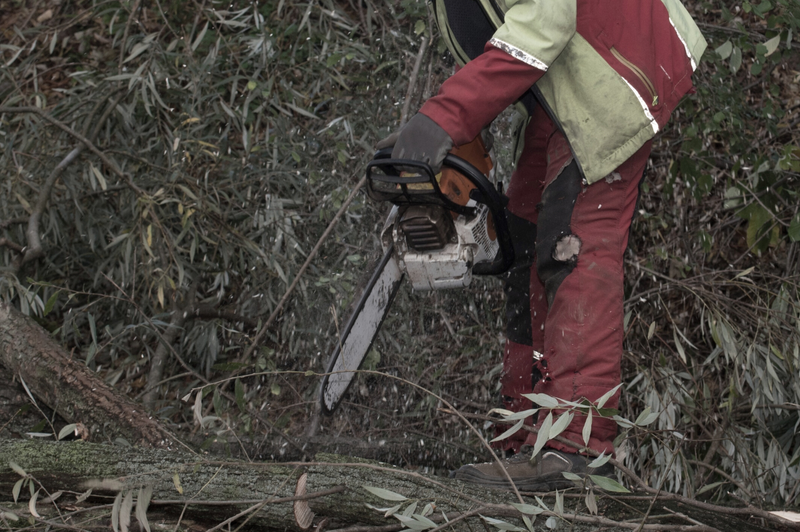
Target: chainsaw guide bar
[360,331]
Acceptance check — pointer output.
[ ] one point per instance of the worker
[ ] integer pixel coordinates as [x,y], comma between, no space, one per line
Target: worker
[596,80]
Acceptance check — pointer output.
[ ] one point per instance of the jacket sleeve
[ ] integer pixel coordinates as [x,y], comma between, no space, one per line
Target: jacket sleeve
[533,35]
[536,31]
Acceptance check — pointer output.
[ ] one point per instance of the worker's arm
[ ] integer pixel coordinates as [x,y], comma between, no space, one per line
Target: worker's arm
[533,35]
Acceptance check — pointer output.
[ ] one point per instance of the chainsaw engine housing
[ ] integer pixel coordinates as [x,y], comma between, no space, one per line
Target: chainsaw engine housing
[435,250]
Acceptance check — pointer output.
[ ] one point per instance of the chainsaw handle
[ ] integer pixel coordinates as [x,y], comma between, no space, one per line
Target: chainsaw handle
[487,194]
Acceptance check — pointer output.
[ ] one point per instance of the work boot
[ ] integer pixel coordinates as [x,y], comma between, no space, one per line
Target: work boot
[543,473]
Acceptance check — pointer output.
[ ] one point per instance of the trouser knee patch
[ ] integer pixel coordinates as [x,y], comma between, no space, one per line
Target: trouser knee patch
[556,247]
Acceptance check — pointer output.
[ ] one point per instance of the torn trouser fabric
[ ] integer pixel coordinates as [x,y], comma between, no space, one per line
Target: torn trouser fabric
[575,289]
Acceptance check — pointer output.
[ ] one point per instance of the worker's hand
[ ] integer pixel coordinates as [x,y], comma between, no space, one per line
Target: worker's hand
[421,139]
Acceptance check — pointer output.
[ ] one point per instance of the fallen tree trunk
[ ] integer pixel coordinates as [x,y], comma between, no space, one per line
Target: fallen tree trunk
[70,388]
[218,490]
[334,493]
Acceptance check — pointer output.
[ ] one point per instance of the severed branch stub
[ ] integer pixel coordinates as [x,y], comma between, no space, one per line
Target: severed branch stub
[70,388]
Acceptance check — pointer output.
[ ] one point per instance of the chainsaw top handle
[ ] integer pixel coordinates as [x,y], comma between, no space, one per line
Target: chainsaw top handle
[409,182]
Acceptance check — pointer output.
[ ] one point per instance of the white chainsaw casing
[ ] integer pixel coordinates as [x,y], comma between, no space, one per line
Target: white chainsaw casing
[450,266]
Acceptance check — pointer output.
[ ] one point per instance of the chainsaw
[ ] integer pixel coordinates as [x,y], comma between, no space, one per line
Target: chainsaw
[442,229]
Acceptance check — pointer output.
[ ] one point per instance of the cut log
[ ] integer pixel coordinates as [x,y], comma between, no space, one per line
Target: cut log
[335,492]
[217,490]
[70,388]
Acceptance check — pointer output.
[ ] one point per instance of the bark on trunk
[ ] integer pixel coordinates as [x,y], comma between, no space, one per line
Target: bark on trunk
[209,492]
[78,465]
[416,450]
[70,388]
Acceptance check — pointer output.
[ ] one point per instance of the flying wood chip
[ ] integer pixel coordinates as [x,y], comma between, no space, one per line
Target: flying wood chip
[302,513]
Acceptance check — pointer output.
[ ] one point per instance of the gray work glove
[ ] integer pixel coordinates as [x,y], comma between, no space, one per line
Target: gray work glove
[421,139]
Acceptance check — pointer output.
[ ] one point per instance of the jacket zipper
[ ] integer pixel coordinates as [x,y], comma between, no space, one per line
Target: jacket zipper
[639,74]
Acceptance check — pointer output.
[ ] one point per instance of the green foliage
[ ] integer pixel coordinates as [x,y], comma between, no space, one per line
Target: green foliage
[240,142]
[232,134]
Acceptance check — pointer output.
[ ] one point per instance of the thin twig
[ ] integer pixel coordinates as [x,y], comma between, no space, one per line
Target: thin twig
[456,519]
[5,224]
[721,473]
[30,14]
[660,485]
[10,244]
[684,516]
[755,196]
[228,521]
[412,82]
[267,423]
[368,528]
[63,526]
[159,383]
[452,518]
[159,358]
[7,423]
[126,33]
[504,510]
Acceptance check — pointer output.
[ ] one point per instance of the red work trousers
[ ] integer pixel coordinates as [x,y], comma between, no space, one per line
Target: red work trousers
[574,296]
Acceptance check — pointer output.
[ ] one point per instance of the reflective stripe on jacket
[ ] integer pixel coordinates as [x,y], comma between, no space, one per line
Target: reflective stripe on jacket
[610,71]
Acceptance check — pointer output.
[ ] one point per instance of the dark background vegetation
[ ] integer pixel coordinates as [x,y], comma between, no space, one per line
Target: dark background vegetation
[231,134]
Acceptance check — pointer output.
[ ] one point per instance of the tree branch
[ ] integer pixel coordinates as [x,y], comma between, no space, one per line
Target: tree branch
[10,244]
[34,249]
[13,221]
[413,81]
[70,388]
[85,141]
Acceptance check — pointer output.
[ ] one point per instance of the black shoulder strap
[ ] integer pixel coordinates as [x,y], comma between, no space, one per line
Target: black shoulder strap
[470,25]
